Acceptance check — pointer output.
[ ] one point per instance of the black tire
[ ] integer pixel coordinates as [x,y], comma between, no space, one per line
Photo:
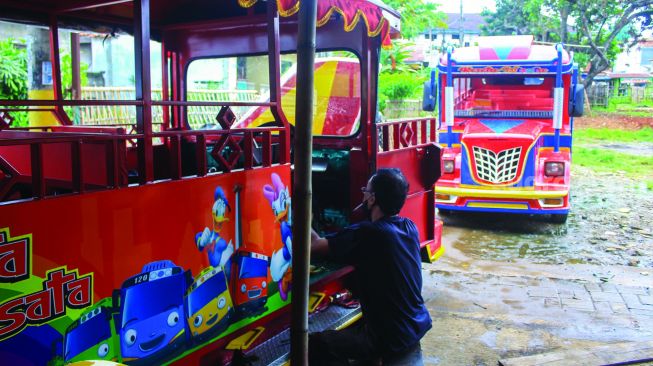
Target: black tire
[559,218]
[444,212]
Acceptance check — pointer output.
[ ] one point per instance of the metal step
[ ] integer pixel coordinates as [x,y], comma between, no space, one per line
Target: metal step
[276,350]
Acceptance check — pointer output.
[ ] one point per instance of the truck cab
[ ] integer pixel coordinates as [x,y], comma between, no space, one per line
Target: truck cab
[506,112]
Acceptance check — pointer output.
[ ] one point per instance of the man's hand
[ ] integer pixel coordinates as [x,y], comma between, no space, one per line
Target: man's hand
[319,245]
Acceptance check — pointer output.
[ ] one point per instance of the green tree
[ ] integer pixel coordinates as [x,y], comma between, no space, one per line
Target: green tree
[417,16]
[13,75]
[596,30]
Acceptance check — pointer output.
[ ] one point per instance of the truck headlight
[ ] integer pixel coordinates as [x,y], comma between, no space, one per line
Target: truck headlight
[554,168]
[448,165]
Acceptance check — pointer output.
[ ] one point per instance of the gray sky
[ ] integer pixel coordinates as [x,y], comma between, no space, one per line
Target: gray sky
[469,6]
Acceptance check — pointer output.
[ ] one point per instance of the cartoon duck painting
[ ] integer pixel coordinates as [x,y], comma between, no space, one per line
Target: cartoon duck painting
[217,249]
[279,197]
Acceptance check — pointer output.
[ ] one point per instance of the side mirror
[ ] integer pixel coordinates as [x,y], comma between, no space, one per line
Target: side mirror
[577,107]
[429,98]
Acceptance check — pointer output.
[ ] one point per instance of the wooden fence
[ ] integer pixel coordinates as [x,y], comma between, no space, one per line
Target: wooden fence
[600,94]
[119,115]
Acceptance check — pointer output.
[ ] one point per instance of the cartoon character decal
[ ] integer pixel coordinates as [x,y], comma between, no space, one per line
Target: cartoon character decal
[209,304]
[217,249]
[93,336]
[152,309]
[279,197]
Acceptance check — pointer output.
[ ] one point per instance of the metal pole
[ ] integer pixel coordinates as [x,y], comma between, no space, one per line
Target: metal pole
[76,77]
[302,183]
[461,33]
[143,89]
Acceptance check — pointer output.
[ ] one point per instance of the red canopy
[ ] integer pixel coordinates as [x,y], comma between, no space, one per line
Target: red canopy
[352,11]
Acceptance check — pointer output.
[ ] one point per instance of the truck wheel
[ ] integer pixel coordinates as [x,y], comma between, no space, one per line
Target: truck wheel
[559,218]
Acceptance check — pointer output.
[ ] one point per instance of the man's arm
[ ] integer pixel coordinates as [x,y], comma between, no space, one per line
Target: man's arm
[319,245]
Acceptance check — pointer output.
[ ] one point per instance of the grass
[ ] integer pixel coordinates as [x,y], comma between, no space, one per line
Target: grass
[609,161]
[613,135]
[604,160]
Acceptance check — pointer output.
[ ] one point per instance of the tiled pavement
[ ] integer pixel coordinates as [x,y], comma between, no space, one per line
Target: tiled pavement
[488,316]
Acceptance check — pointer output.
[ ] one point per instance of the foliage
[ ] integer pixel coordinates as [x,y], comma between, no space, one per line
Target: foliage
[600,30]
[417,16]
[67,74]
[400,86]
[393,60]
[13,76]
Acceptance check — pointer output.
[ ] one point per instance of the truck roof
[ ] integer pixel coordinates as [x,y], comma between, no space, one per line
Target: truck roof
[505,51]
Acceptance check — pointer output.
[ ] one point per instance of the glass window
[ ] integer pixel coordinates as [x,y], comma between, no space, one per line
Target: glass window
[336,104]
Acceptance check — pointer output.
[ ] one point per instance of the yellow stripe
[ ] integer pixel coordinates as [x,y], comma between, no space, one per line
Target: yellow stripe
[438,253]
[324,77]
[514,206]
[490,193]
[551,149]
[349,322]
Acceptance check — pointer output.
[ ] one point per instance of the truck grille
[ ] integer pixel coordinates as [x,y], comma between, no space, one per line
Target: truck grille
[498,167]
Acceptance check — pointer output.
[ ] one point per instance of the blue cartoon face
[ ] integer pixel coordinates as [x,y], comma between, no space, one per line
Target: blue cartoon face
[153,314]
[218,210]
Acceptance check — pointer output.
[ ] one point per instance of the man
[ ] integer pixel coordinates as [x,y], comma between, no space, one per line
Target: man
[385,254]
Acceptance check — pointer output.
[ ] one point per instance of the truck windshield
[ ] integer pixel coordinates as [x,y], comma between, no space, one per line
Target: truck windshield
[252,267]
[86,335]
[206,292]
[504,96]
[147,299]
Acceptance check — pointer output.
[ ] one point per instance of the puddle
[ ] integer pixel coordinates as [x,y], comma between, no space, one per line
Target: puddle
[610,223]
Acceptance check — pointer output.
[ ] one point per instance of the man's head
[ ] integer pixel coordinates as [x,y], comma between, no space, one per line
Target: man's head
[387,189]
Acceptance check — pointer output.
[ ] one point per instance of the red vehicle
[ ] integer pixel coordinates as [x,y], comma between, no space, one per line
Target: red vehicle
[84,208]
[507,107]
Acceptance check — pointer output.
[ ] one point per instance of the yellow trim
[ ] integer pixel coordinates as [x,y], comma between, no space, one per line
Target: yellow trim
[435,256]
[513,206]
[314,300]
[245,340]
[181,332]
[551,149]
[498,193]
[349,322]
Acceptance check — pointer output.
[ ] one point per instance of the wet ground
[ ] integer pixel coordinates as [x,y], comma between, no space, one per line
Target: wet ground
[511,286]
[610,223]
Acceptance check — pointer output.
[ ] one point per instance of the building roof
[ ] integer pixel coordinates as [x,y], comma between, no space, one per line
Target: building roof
[471,24]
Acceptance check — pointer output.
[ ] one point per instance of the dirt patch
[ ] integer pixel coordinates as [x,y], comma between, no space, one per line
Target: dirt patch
[613,120]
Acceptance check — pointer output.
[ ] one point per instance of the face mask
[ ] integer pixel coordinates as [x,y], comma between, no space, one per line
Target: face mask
[367,210]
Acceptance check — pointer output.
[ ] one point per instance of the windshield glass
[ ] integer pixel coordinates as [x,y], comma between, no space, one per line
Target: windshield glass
[336,106]
[206,292]
[504,96]
[147,299]
[88,334]
[253,267]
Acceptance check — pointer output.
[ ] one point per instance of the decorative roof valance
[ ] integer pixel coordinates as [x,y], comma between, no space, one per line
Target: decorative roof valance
[352,12]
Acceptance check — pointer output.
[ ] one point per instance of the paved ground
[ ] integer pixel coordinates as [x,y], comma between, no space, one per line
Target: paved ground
[484,311]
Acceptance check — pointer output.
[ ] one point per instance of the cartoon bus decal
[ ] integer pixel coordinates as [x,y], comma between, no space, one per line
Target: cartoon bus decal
[94,336]
[251,282]
[152,309]
[210,309]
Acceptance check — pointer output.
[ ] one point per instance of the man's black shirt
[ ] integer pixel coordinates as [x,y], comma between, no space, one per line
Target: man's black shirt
[386,256]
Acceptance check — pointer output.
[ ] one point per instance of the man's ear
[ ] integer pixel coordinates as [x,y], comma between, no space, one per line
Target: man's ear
[372,200]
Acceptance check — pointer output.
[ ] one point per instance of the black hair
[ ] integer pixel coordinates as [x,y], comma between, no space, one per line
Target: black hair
[390,189]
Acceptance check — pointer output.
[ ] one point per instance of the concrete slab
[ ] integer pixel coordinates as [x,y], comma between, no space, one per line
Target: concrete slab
[484,311]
